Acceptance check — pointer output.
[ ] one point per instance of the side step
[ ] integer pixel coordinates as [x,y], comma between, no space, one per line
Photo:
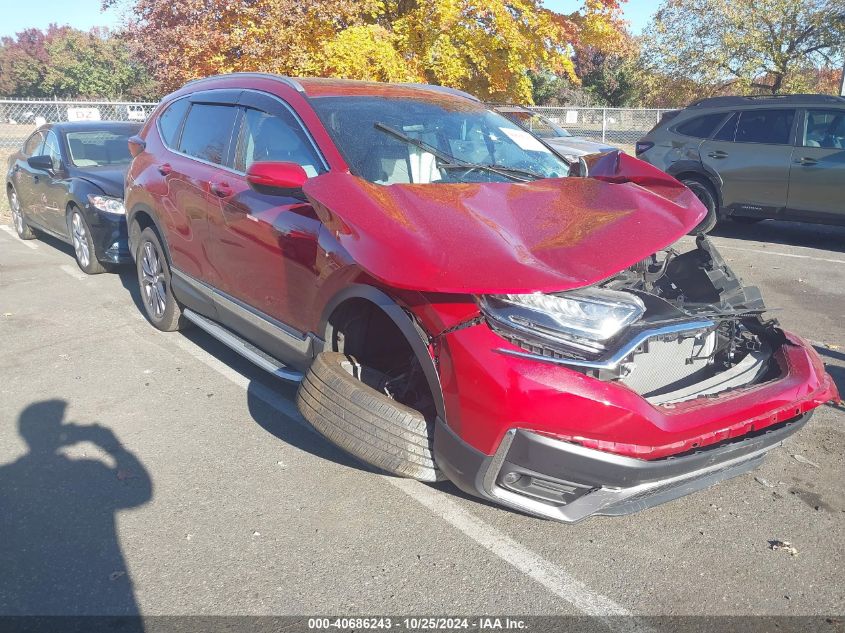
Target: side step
[242,347]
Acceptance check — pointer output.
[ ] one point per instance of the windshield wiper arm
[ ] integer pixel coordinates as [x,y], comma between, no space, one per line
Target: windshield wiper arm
[449,161]
[499,168]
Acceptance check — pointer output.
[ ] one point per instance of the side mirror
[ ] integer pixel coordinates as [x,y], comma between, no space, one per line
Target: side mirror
[275,177]
[44,162]
[136,145]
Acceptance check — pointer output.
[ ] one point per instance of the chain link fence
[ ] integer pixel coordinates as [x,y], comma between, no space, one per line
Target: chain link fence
[18,119]
[620,127]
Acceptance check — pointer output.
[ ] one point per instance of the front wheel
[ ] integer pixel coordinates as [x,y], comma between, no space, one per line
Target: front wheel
[704,192]
[21,227]
[160,306]
[83,245]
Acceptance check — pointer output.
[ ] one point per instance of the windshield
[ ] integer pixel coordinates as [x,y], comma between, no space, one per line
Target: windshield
[390,141]
[97,148]
[544,128]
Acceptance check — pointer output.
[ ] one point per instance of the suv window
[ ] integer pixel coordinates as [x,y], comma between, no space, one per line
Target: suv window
[825,129]
[208,130]
[275,137]
[32,144]
[772,127]
[701,126]
[728,129]
[170,120]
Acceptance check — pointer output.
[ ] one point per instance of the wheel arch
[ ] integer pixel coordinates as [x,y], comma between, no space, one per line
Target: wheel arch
[139,218]
[407,326]
[688,168]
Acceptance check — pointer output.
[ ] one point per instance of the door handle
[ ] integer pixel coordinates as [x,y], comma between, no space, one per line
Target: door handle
[220,189]
[718,154]
[165,169]
[807,161]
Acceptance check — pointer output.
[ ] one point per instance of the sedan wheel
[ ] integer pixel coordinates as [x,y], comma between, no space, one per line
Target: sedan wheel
[83,245]
[24,232]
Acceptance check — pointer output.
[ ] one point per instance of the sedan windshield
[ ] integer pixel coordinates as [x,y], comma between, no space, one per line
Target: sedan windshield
[97,148]
[391,141]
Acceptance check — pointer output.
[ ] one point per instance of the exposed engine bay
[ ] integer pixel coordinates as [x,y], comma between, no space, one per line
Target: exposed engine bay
[698,331]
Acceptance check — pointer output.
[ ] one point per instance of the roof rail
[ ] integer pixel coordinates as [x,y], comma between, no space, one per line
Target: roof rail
[288,81]
[446,89]
[796,99]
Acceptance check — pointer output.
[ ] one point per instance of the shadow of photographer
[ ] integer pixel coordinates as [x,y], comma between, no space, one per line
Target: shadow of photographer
[59,549]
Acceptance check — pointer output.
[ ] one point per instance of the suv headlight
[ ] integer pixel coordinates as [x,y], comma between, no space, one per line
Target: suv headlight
[584,319]
[107,204]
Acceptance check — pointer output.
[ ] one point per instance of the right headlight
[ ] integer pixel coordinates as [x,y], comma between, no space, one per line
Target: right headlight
[582,319]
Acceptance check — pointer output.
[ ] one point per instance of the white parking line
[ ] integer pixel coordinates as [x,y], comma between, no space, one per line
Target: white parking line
[28,243]
[765,251]
[73,271]
[528,562]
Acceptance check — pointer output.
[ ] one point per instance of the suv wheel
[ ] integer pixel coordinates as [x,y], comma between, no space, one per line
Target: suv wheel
[83,245]
[22,228]
[160,306]
[704,192]
[335,398]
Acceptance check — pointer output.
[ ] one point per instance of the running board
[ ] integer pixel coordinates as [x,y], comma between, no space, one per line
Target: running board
[242,347]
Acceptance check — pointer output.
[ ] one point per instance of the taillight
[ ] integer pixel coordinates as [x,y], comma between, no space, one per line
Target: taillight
[136,145]
[643,146]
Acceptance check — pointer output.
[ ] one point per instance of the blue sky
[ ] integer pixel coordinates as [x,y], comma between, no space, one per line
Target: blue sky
[84,14]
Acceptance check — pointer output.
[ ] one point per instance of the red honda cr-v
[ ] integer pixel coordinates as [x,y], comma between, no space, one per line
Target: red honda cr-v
[455,299]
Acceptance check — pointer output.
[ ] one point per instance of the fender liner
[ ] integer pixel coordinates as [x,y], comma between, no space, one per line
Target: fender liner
[415,336]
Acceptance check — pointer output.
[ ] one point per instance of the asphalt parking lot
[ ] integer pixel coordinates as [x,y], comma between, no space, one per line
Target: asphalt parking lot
[202,491]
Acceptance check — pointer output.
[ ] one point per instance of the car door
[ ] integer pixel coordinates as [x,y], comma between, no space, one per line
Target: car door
[752,152]
[52,188]
[265,243]
[817,173]
[202,151]
[24,178]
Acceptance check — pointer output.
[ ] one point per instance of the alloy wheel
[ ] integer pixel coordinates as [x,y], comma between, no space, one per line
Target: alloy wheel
[80,240]
[152,280]
[17,216]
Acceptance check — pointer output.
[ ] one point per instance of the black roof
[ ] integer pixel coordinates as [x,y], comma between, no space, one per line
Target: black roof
[88,126]
[796,99]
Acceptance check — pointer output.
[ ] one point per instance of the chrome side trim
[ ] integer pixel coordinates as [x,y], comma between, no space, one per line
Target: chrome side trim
[622,353]
[242,347]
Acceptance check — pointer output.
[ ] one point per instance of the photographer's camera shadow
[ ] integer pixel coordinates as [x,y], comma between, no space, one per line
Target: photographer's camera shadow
[59,549]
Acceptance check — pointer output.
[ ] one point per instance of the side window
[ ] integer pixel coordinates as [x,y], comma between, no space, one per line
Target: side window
[825,129]
[33,143]
[208,131]
[171,119]
[701,126]
[765,126]
[275,137]
[728,129]
[51,148]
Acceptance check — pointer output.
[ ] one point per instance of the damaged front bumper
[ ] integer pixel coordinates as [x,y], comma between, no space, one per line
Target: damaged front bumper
[567,482]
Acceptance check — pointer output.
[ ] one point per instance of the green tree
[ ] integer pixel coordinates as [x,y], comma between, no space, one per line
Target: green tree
[744,45]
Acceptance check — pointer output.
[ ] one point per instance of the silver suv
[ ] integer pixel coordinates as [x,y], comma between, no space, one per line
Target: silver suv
[753,158]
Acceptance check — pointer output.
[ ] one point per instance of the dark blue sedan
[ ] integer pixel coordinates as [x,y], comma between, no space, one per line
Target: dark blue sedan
[67,181]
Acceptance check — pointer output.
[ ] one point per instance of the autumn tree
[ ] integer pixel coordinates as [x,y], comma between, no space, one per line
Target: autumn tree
[744,45]
[70,63]
[485,47]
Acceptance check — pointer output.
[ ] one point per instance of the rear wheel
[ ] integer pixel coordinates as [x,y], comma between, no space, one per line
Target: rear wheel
[705,193]
[21,227]
[160,306]
[83,244]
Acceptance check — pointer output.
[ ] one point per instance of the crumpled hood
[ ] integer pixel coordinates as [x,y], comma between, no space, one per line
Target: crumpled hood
[109,179]
[547,235]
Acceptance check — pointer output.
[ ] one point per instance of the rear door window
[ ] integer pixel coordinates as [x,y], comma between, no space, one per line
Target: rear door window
[170,120]
[208,132]
[728,129]
[701,126]
[772,127]
[824,129]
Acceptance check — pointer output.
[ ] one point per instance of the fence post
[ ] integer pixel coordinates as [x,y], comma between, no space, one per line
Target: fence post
[604,125]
